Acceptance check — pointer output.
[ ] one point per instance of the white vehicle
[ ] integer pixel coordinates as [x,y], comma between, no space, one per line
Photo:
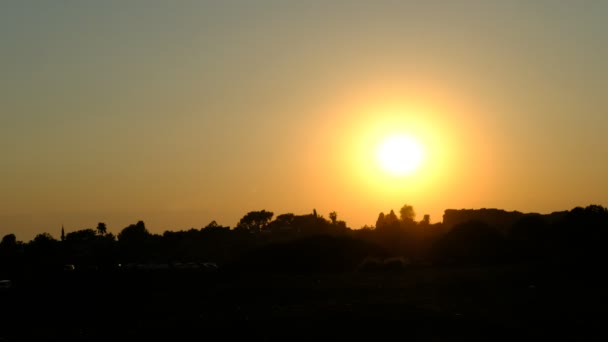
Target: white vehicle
[210,266]
[5,284]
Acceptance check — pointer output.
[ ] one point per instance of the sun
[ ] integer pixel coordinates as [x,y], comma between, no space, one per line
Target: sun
[400,155]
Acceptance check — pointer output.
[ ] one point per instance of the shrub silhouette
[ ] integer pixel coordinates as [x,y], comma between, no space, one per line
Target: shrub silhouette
[394,264]
[320,253]
[471,242]
[529,236]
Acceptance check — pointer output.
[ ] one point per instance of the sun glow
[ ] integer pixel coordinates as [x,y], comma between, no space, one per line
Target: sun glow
[400,155]
[391,150]
[379,146]
[382,148]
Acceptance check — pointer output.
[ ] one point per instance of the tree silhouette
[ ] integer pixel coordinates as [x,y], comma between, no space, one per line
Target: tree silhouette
[388,221]
[135,243]
[285,219]
[529,235]
[255,221]
[333,216]
[134,233]
[283,223]
[391,220]
[212,225]
[582,235]
[11,254]
[407,214]
[380,220]
[101,228]
[43,238]
[82,235]
[9,241]
[42,250]
[472,242]
[426,221]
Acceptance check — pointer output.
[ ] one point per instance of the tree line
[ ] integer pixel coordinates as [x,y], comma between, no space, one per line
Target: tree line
[311,240]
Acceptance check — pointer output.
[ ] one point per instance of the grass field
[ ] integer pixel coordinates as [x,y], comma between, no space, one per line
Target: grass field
[428,304]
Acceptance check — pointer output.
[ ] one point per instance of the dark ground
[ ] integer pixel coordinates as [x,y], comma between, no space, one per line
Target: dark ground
[505,303]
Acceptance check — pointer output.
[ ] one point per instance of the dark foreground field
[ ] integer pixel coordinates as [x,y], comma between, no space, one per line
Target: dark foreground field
[507,303]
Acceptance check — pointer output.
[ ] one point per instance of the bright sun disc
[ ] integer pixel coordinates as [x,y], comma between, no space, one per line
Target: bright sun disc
[400,155]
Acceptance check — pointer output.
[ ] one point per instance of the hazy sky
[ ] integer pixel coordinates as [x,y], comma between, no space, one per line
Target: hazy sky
[182,112]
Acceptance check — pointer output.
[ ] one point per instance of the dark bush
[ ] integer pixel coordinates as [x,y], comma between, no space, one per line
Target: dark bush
[312,254]
[471,243]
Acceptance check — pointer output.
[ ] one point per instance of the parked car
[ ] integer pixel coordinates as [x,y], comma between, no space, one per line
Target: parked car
[5,285]
[210,266]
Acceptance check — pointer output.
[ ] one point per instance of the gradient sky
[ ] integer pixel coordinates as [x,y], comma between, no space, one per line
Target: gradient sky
[182,112]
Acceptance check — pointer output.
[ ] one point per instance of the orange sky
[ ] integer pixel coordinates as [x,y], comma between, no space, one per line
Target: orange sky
[179,114]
